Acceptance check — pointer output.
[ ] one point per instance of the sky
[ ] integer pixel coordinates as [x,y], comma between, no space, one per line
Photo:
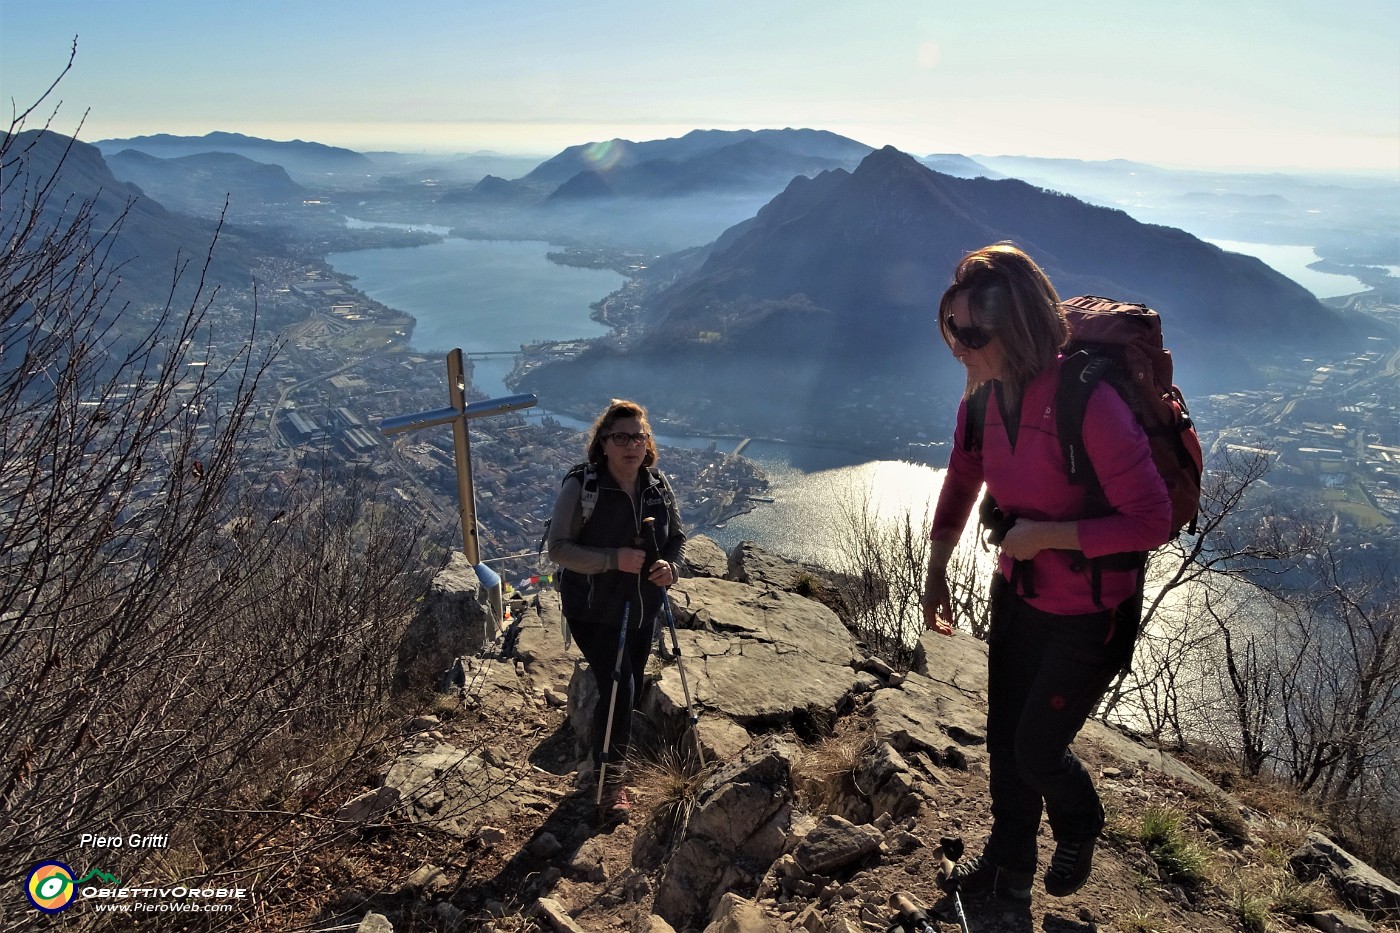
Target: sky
[1227,84]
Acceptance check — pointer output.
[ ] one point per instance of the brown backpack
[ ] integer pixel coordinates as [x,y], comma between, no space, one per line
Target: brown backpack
[1122,343]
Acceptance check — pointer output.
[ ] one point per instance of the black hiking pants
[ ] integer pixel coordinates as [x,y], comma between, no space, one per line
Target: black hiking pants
[598,642]
[1045,675]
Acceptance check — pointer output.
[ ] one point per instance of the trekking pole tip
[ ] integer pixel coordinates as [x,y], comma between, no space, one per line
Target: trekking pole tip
[906,908]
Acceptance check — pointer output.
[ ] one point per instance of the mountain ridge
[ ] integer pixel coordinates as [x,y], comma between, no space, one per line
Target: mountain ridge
[201,182]
[834,282]
[297,156]
[619,154]
[750,163]
[816,239]
[153,239]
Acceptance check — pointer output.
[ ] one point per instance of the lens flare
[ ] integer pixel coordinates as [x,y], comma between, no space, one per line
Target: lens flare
[603,156]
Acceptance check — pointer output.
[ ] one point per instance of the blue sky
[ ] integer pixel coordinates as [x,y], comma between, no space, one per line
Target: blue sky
[1296,84]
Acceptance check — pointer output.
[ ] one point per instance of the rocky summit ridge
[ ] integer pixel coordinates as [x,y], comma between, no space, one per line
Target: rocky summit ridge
[829,779]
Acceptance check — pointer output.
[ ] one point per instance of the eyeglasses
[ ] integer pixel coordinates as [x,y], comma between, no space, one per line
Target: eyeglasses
[623,439]
[972,336]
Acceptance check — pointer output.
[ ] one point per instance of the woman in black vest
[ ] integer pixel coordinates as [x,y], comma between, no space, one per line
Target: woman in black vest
[616,567]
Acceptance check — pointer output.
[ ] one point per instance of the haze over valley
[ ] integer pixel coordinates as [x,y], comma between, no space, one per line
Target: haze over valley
[774,284]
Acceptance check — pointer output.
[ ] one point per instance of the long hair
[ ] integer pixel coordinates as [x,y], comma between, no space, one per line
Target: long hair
[603,424]
[1010,296]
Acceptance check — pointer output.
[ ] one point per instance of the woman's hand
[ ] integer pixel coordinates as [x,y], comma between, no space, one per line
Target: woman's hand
[662,573]
[1022,541]
[630,559]
[937,602]
[1026,538]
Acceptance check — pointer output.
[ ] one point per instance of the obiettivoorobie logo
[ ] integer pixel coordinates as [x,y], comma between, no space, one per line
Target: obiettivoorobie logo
[51,886]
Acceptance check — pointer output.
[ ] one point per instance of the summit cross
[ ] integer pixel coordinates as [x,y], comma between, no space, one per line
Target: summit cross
[458,413]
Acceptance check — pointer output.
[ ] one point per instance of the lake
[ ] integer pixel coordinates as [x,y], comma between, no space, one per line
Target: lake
[497,294]
[481,295]
[1293,261]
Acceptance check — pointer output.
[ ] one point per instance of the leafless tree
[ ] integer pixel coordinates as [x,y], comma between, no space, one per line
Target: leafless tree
[880,567]
[881,561]
[1237,547]
[184,647]
[1261,641]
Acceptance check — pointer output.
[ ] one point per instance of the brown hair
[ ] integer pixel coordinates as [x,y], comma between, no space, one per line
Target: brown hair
[1010,296]
[602,427]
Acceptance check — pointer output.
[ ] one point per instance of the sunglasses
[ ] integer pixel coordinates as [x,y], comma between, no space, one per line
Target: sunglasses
[972,336]
[623,439]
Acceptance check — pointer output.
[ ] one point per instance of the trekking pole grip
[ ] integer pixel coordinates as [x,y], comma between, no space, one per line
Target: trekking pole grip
[654,554]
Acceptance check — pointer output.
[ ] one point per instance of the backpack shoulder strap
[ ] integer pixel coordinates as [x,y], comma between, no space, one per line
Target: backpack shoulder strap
[659,479]
[587,476]
[1079,374]
[975,424]
[588,494]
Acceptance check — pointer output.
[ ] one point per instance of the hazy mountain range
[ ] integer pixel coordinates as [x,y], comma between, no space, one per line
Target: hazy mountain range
[828,293]
[303,160]
[673,193]
[828,277]
[723,151]
[152,239]
[203,182]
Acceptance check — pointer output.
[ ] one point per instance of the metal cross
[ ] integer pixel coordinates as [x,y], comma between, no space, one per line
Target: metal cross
[458,413]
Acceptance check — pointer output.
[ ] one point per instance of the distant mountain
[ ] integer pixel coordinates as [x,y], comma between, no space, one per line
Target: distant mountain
[746,165]
[493,188]
[883,241]
[959,166]
[1238,202]
[199,184]
[1031,168]
[1354,214]
[619,155]
[152,239]
[417,169]
[303,160]
[837,279]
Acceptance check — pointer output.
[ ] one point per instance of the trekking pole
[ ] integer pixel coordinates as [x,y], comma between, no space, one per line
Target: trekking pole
[612,703]
[908,916]
[948,851]
[690,713]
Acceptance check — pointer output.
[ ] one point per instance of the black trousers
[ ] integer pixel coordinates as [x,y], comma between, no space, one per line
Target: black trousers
[599,643]
[1045,675]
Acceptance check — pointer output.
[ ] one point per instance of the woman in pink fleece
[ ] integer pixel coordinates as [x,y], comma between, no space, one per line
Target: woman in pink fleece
[1051,651]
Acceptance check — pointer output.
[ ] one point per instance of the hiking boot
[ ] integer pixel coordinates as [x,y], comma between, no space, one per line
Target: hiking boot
[980,876]
[1070,867]
[617,802]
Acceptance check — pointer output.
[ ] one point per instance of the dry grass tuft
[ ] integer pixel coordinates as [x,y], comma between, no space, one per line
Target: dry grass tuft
[825,775]
[668,782]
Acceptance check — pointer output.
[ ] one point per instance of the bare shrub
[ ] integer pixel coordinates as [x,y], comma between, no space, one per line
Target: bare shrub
[881,561]
[1264,641]
[184,648]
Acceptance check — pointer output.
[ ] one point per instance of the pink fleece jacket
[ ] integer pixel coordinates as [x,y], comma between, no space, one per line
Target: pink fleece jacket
[1029,480]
